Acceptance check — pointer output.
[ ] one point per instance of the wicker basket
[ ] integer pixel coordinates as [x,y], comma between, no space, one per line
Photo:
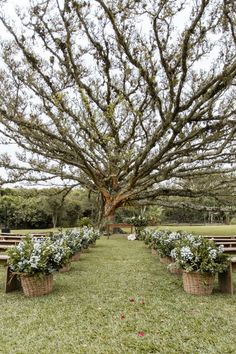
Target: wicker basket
[65,268]
[198,284]
[166,260]
[174,270]
[36,285]
[76,257]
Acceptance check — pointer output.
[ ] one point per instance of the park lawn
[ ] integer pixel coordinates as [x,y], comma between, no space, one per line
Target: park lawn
[211,230]
[117,299]
[28,231]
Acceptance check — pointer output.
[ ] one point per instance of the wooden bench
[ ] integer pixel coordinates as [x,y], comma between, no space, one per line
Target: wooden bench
[3,258]
[5,247]
[6,236]
[10,242]
[5,244]
[220,236]
[226,278]
[40,234]
[110,227]
[15,237]
[11,282]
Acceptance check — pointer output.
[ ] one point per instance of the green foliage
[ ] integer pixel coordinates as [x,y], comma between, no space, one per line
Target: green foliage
[84,221]
[38,256]
[77,239]
[146,235]
[139,221]
[163,241]
[70,239]
[31,208]
[48,254]
[192,253]
[196,253]
[154,214]
[124,214]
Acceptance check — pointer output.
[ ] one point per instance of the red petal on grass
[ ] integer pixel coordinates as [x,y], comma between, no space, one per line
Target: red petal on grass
[132,299]
[141,334]
[142,302]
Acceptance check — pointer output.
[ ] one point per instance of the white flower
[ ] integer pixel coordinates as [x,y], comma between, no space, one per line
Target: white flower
[34,260]
[186,253]
[131,237]
[221,248]
[173,253]
[213,253]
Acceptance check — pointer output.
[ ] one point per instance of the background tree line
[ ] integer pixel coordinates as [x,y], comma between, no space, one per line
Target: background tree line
[57,207]
[44,208]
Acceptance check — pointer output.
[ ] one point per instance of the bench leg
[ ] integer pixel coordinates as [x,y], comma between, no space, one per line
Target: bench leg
[12,282]
[226,281]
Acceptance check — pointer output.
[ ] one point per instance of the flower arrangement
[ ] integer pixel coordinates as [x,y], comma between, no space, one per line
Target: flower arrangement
[77,239]
[162,241]
[166,242]
[48,254]
[38,256]
[71,239]
[198,254]
[146,236]
[92,234]
[139,221]
[85,235]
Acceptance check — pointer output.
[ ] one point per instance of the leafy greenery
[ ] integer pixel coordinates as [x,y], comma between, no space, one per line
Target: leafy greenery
[48,254]
[32,208]
[195,253]
[190,252]
[85,221]
[116,293]
[164,241]
[139,221]
[38,256]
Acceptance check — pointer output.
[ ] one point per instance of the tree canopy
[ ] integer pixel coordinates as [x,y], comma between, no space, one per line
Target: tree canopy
[122,97]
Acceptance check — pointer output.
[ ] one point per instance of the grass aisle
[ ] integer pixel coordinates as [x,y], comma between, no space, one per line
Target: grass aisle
[117,299]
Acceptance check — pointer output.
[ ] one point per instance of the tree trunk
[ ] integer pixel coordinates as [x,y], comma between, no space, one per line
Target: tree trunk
[54,220]
[109,204]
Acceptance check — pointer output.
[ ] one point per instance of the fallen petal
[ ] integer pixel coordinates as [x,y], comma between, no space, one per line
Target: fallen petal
[141,334]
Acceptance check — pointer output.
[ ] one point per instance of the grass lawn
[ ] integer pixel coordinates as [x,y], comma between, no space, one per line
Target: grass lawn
[204,229]
[117,299]
[195,229]
[28,231]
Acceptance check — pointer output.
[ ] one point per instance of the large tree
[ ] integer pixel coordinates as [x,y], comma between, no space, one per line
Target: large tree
[123,97]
